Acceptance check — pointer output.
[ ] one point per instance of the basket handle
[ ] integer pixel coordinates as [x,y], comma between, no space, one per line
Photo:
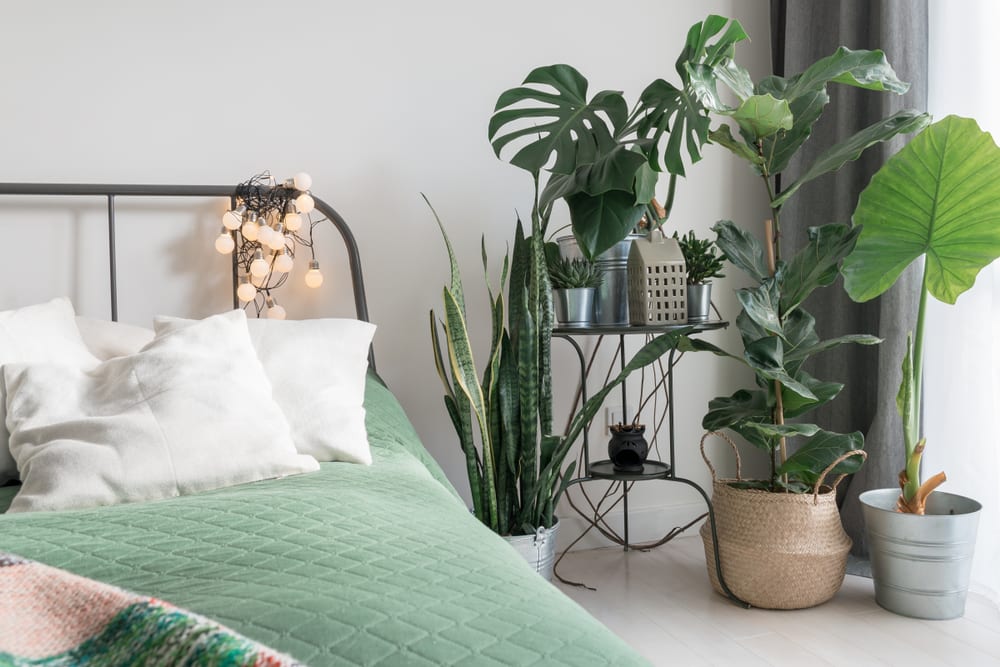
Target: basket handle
[840,459]
[701,446]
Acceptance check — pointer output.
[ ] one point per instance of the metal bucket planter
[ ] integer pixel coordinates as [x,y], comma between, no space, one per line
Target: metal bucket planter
[921,564]
[538,549]
[699,302]
[611,299]
[574,307]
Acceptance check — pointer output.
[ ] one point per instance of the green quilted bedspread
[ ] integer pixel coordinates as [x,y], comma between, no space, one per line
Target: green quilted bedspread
[351,565]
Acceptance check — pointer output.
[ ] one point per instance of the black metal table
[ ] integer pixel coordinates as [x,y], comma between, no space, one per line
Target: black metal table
[652,470]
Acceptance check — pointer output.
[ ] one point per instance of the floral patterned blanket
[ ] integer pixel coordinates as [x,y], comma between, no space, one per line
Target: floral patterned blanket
[50,617]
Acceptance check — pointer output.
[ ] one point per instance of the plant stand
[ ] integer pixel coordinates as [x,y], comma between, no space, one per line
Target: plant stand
[651,469]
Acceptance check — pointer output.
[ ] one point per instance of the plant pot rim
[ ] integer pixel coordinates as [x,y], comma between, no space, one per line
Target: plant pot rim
[884,500]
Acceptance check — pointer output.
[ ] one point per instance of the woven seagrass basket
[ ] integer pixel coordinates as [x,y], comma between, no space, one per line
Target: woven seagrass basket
[777,550]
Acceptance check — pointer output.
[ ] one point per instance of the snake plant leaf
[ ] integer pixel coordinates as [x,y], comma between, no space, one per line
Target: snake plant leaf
[527,380]
[832,159]
[817,264]
[456,276]
[937,197]
[559,118]
[601,221]
[820,451]
[675,112]
[766,357]
[796,406]
[761,116]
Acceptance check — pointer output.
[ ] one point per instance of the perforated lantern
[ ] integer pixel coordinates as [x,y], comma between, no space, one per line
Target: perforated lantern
[657,281]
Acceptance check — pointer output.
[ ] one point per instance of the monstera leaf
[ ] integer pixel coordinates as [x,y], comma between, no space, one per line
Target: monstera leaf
[938,197]
[557,120]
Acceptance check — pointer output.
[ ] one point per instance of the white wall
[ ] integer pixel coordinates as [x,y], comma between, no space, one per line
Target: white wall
[379,102]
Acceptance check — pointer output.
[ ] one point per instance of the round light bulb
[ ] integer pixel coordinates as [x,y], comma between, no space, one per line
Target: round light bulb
[246,291]
[258,281]
[293,221]
[276,241]
[302,181]
[314,277]
[274,311]
[264,235]
[283,263]
[232,220]
[250,229]
[304,202]
[225,243]
[259,266]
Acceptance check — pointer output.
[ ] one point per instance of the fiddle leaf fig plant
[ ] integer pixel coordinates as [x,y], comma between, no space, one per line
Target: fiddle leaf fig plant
[938,199]
[598,155]
[773,118]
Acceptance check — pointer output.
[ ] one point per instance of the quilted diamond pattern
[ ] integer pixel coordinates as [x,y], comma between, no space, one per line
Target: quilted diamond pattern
[352,565]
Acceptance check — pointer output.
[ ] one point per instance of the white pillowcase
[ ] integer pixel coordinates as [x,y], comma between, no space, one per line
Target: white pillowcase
[317,369]
[43,332]
[191,412]
[106,339]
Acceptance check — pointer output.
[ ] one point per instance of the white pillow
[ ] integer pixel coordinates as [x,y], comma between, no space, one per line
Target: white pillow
[106,339]
[317,369]
[43,332]
[193,411]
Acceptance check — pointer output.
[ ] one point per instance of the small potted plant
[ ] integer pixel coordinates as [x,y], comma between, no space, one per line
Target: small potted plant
[574,282]
[703,264]
[937,199]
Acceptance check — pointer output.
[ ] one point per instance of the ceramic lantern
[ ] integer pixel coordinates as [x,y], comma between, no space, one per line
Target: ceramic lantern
[657,281]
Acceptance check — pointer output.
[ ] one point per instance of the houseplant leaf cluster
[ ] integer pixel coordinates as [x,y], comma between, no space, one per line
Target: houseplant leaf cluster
[574,273]
[700,258]
[773,118]
[936,200]
[601,157]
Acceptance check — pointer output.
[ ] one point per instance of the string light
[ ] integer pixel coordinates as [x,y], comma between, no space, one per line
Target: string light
[270,220]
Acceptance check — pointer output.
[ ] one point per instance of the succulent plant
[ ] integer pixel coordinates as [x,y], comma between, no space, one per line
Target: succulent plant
[700,258]
[572,273]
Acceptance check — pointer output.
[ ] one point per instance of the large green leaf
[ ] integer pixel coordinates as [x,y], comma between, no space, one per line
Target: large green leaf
[820,451]
[743,406]
[601,221]
[766,358]
[558,119]
[761,305]
[782,430]
[795,405]
[817,264]
[742,249]
[939,196]
[724,137]
[833,158]
[762,116]
[614,170]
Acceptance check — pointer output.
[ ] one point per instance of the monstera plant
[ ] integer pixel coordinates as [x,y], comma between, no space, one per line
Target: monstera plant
[598,155]
[937,199]
[774,117]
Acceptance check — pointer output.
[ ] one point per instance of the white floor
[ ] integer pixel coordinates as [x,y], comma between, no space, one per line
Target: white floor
[661,603]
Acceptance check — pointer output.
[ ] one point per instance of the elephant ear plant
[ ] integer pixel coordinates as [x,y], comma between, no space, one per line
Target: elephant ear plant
[600,156]
[503,418]
[774,118]
[937,199]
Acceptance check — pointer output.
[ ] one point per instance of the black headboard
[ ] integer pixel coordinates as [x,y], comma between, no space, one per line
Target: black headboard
[111,191]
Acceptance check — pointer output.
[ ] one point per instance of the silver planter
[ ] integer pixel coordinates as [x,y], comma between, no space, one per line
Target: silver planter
[538,549]
[611,299]
[921,564]
[699,302]
[574,307]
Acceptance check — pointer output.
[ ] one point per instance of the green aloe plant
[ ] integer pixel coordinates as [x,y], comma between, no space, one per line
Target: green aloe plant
[574,273]
[774,117]
[938,200]
[503,416]
[605,157]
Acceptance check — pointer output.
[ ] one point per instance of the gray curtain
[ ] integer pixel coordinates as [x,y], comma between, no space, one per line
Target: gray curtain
[803,31]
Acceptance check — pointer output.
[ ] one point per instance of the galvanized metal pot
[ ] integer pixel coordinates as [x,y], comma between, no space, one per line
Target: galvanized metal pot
[538,549]
[699,302]
[921,564]
[574,307]
[611,299]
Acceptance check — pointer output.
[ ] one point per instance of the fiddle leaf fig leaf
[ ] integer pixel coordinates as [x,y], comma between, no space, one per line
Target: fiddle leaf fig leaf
[817,264]
[937,197]
[795,405]
[766,358]
[801,353]
[832,159]
[761,116]
[725,411]
[557,119]
[782,430]
[724,137]
[820,451]
[761,305]
[742,249]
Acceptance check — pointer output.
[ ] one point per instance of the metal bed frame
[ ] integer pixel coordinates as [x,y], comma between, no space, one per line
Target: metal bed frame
[111,191]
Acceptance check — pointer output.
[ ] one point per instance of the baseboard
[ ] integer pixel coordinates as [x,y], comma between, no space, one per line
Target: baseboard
[647,524]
